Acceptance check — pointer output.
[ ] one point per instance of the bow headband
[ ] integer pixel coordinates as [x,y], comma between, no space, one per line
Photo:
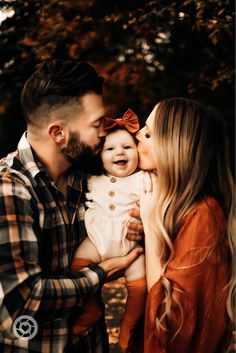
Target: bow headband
[129,121]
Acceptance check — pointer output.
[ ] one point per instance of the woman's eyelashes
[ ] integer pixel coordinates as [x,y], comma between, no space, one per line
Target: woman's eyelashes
[147,135]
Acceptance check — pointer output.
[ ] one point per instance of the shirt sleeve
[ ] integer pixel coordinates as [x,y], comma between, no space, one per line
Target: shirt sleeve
[197,274]
[23,289]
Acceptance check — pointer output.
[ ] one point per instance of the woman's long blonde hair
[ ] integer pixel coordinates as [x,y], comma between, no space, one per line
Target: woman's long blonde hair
[192,157]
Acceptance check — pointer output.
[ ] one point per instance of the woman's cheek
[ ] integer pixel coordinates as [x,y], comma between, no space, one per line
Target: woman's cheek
[146,160]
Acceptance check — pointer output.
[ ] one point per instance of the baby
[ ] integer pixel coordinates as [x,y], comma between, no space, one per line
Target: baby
[110,197]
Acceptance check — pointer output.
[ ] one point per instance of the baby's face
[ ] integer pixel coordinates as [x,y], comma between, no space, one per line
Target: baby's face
[119,154]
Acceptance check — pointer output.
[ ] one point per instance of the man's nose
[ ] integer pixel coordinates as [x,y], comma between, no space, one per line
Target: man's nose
[102,132]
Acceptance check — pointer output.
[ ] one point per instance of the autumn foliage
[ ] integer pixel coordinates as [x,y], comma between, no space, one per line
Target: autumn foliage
[146,50]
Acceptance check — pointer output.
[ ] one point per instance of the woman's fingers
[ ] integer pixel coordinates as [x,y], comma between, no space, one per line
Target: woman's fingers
[134,228]
[134,212]
[135,231]
[134,225]
[135,237]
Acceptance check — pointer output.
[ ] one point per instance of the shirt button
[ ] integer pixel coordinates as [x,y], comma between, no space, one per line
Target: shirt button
[113,180]
[111,193]
[112,207]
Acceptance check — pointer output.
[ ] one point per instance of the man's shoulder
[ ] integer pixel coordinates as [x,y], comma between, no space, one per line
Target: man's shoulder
[11,168]
[11,163]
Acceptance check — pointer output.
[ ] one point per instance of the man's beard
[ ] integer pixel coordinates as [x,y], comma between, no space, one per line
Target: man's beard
[82,156]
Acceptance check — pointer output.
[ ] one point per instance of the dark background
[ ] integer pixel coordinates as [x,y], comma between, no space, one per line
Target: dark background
[146,50]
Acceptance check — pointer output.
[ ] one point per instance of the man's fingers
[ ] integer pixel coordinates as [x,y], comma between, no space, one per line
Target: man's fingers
[114,267]
[133,255]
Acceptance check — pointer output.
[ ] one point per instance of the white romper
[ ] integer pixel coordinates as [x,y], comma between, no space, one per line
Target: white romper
[109,200]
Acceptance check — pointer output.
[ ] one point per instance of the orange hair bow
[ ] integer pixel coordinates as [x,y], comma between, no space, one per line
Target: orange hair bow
[129,121]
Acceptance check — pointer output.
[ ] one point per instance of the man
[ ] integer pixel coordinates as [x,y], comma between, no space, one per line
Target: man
[41,214]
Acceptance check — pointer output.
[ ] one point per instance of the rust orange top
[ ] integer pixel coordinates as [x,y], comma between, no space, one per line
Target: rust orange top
[198,272]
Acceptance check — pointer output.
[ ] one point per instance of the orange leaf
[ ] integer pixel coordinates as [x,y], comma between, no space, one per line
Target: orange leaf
[29,42]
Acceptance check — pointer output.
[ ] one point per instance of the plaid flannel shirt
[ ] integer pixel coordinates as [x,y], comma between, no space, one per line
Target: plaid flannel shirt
[39,231]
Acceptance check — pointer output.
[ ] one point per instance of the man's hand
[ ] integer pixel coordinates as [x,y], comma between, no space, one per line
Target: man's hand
[115,266]
[135,227]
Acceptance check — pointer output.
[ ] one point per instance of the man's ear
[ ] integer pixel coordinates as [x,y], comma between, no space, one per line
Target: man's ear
[57,132]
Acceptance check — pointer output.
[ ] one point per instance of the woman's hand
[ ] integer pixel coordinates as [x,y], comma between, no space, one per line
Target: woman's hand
[152,248]
[115,266]
[134,225]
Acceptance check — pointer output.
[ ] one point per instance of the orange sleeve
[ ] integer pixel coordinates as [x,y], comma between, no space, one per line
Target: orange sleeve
[198,274]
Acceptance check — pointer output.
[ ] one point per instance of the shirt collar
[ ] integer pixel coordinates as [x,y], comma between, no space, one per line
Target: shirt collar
[28,157]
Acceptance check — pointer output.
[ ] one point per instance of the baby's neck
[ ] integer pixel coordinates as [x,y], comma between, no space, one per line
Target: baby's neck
[120,176]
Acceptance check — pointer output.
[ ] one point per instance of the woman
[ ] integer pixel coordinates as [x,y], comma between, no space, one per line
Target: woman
[190,229]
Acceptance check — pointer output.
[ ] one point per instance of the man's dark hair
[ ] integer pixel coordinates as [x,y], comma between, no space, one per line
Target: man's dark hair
[56,83]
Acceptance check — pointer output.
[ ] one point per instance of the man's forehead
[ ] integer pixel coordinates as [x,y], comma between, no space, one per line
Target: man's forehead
[91,99]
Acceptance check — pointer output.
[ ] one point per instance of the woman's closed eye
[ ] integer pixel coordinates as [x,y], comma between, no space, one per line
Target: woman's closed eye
[147,135]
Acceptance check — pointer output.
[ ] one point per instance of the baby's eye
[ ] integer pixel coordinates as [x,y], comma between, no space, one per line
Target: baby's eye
[127,147]
[147,135]
[109,148]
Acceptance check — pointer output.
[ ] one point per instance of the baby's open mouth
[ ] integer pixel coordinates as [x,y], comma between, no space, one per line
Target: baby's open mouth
[121,162]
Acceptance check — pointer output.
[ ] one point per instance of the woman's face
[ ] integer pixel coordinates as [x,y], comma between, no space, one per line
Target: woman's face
[145,143]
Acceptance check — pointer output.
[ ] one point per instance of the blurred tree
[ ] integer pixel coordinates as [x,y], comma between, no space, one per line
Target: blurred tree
[146,50]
